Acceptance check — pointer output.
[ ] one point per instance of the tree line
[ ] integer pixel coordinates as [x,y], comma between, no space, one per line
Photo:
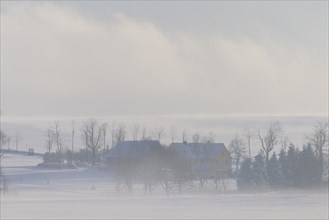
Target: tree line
[292,167]
[60,146]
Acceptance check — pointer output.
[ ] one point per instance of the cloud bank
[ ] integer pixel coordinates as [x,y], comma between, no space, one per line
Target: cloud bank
[57,61]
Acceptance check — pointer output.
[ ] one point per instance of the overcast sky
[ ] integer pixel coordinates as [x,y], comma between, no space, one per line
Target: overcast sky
[64,59]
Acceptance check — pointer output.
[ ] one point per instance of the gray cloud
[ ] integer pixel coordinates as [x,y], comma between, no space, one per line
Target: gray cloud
[59,60]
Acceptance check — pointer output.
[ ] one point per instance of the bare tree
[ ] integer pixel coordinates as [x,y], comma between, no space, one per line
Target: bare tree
[120,134]
[8,142]
[92,132]
[249,136]
[167,180]
[284,143]
[173,133]
[134,129]
[144,134]
[178,173]
[72,135]
[104,131]
[3,139]
[50,139]
[18,138]
[196,137]
[159,132]
[238,150]
[113,131]
[210,138]
[58,137]
[270,140]
[319,139]
[184,136]
[126,168]
[3,181]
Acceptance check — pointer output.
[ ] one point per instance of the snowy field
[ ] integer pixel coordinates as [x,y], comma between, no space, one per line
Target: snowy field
[92,194]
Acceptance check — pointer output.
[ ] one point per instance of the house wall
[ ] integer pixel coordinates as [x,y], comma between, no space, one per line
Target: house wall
[223,161]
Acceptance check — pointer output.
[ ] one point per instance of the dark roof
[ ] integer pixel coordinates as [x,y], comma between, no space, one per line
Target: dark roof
[189,150]
[132,148]
[183,150]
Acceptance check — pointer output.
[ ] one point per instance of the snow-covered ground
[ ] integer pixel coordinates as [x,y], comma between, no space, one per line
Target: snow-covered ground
[91,194]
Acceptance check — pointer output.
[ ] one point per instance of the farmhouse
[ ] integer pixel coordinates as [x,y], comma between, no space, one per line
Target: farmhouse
[132,150]
[206,159]
[136,160]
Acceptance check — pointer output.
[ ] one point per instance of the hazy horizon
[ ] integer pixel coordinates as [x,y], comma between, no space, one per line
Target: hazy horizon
[224,128]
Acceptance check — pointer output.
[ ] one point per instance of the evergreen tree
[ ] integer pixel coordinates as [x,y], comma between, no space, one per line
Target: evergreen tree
[259,170]
[274,172]
[310,168]
[292,168]
[284,169]
[245,176]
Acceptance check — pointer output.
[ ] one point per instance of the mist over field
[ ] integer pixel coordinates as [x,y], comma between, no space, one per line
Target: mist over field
[164,110]
[94,194]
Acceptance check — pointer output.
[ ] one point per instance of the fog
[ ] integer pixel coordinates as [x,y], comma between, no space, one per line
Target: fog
[94,194]
[181,110]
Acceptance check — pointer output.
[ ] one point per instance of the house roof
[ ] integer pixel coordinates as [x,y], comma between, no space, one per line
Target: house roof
[131,148]
[193,150]
[183,150]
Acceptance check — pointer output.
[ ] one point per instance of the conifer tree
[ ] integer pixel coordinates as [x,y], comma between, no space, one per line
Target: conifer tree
[274,172]
[293,170]
[310,168]
[285,172]
[245,176]
[259,170]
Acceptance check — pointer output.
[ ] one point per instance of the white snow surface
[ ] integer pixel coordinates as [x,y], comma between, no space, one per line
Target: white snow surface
[90,193]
